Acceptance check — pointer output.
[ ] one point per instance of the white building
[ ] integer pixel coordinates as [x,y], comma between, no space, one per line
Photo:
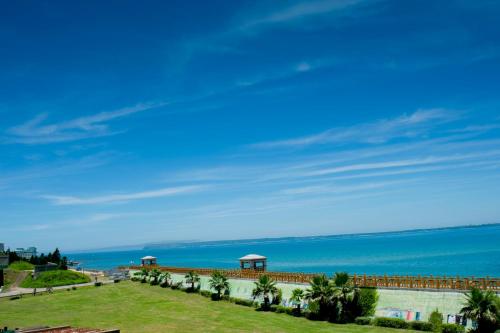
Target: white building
[26,253]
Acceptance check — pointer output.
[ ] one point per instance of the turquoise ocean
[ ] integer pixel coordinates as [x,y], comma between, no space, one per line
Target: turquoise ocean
[464,251]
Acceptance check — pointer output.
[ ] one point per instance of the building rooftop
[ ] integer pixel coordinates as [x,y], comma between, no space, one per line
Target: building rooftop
[253,257]
[148,258]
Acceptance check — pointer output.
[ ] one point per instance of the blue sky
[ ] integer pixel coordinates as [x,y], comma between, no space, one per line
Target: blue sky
[131,122]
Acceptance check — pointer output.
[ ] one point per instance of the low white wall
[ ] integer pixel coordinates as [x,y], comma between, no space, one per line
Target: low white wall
[390,300]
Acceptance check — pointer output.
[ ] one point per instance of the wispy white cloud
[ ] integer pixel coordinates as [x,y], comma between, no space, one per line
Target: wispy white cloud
[35,132]
[298,11]
[123,197]
[405,126]
[56,169]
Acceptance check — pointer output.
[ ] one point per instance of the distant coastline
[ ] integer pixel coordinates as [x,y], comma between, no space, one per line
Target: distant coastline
[175,244]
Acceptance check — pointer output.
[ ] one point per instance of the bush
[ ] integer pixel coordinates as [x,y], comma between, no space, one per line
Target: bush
[311,315]
[390,322]
[367,301]
[271,308]
[436,320]
[452,328]
[296,312]
[363,320]
[98,284]
[244,302]
[284,309]
[215,297]
[206,293]
[421,326]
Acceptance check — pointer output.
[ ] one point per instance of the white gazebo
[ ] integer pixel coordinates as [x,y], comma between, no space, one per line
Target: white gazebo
[148,261]
[254,262]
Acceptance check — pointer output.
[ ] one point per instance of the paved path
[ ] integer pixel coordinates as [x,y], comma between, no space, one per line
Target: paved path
[29,291]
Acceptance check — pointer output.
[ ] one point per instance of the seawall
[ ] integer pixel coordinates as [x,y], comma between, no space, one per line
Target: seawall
[392,302]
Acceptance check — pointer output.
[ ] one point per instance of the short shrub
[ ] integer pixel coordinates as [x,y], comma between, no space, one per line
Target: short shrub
[296,312]
[74,288]
[215,297]
[244,302]
[312,311]
[206,293]
[421,326]
[282,309]
[98,284]
[452,328]
[311,315]
[390,322]
[225,297]
[363,320]
[272,308]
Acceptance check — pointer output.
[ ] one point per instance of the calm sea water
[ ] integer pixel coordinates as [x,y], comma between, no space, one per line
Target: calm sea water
[471,251]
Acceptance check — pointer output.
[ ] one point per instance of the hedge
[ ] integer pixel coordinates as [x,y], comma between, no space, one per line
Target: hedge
[390,322]
[421,326]
[452,328]
[363,320]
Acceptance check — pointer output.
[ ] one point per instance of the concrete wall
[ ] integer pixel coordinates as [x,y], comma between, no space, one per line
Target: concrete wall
[424,302]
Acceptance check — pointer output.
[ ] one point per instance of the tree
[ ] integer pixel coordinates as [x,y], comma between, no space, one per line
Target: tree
[56,256]
[264,287]
[164,279]
[436,320]
[322,291]
[347,297]
[192,278]
[13,257]
[482,307]
[153,276]
[218,281]
[367,302]
[296,298]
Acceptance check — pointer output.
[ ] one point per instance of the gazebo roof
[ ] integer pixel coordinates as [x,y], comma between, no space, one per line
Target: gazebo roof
[253,257]
[148,258]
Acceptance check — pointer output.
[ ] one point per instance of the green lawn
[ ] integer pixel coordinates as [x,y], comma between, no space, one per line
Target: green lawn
[136,307]
[55,278]
[21,266]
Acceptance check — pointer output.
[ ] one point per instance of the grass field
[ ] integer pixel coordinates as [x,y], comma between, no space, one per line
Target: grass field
[135,307]
[54,279]
[21,266]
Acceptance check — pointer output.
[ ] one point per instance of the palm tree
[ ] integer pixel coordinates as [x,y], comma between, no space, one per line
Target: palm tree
[263,287]
[164,279]
[218,281]
[346,296]
[482,307]
[322,291]
[143,275]
[153,276]
[297,297]
[192,277]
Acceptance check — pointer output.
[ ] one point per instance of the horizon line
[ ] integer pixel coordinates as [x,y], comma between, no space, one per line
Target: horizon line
[166,243]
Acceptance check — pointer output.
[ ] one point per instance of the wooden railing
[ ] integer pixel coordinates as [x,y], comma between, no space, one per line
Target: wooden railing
[237,273]
[427,282]
[385,281]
